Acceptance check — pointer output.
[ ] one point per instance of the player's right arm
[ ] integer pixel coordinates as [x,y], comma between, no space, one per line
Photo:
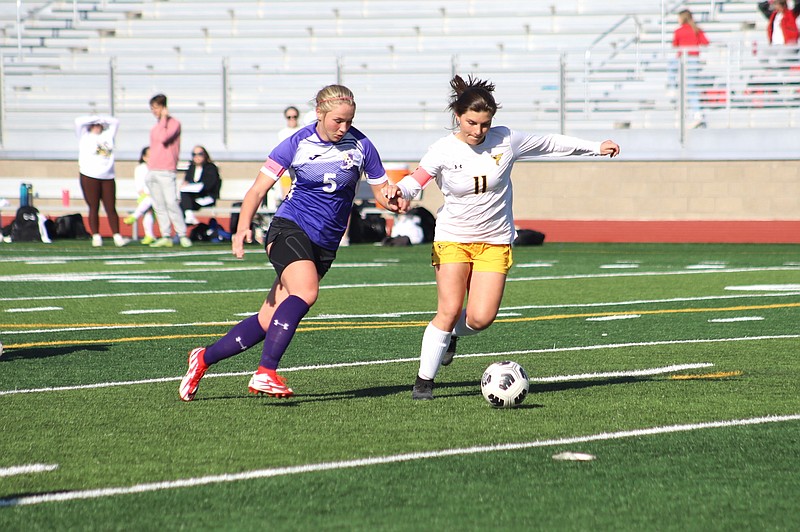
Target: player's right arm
[252,199]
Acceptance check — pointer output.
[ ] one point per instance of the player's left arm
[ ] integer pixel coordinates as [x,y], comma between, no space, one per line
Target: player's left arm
[610,148]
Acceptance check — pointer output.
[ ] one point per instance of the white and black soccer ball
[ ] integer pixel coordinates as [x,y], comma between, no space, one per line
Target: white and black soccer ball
[504,384]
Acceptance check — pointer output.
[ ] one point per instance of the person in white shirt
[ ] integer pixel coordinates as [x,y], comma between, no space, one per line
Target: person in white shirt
[292,116]
[475,226]
[144,204]
[96,167]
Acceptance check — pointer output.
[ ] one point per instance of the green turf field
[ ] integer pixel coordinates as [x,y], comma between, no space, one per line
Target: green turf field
[675,366]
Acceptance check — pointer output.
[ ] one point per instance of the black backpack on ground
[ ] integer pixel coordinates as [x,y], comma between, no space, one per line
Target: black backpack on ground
[529,237]
[25,227]
[71,226]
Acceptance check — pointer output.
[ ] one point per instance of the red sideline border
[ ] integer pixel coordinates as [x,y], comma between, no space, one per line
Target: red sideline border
[701,231]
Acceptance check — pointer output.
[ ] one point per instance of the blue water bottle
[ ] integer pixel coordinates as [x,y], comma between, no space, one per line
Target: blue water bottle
[23,195]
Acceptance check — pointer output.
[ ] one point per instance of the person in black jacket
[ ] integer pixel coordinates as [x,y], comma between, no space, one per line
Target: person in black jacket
[201,184]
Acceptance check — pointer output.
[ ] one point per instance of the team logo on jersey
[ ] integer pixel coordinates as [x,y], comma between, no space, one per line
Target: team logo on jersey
[497,158]
[350,159]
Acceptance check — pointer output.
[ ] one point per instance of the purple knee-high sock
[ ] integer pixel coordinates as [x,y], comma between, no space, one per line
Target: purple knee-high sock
[242,336]
[280,332]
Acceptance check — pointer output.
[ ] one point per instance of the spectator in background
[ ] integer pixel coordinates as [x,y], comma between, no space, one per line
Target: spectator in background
[144,205]
[690,37]
[201,185]
[781,26]
[165,147]
[292,116]
[96,167]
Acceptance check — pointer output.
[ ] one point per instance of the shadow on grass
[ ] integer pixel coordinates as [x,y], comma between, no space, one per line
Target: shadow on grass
[441,390]
[46,352]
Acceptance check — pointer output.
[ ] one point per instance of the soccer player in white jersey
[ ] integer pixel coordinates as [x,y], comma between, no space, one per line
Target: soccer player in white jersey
[475,226]
[326,160]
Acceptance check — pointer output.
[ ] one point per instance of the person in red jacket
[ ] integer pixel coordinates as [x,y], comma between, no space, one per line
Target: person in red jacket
[782,21]
[691,37]
[689,34]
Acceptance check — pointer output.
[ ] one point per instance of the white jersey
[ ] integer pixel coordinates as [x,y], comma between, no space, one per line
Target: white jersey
[140,179]
[96,152]
[476,180]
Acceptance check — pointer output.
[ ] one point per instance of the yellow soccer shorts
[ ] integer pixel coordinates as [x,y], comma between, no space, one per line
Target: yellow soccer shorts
[483,257]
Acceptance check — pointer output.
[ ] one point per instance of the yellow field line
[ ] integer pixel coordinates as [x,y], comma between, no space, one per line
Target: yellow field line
[329,326]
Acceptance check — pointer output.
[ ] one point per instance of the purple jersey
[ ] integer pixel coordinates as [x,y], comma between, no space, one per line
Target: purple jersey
[324,180]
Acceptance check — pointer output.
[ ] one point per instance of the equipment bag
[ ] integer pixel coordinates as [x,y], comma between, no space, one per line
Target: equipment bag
[27,226]
[71,226]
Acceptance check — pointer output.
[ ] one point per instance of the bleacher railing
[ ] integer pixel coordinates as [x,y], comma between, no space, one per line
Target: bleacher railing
[235,103]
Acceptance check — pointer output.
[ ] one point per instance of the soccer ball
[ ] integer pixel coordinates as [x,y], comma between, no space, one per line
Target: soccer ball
[504,384]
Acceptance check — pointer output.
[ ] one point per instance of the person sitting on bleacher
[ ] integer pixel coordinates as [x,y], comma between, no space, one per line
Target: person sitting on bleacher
[201,185]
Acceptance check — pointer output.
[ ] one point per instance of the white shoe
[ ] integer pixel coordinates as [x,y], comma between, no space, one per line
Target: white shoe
[97,241]
[189,218]
[120,240]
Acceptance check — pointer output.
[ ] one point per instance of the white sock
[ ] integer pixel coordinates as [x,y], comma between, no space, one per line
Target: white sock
[434,344]
[461,328]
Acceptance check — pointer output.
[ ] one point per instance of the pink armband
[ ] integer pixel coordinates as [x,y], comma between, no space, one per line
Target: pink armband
[272,168]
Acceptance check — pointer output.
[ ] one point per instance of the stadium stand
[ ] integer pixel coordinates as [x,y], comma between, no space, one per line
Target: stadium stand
[229,67]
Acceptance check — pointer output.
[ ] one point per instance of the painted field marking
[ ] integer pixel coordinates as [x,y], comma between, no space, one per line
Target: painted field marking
[559,378]
[27,500]
[734,320]
[616,317]
[767,287]
[149,311]
[718,375]
[23,328]
[618,374]
[55,277]
[27,469]
[536,265]
[33,309]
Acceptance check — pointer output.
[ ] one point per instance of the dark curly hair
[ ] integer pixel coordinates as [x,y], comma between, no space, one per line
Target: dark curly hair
[471,95]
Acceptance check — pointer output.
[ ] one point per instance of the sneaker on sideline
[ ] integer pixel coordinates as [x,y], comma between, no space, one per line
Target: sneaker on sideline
[129,220]
[163,242]
[264,383]
[451,351]
[120,240]
[147,240]
[191,381]
[422,390]
[97,241]
[186,242]
[189,218]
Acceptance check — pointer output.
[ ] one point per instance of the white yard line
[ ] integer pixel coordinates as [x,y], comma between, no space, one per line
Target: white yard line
[413,359]
[379,460]
[583,376]
[389,285]
[27,469]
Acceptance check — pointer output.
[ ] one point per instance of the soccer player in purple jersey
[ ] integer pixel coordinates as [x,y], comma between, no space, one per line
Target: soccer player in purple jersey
[326,160]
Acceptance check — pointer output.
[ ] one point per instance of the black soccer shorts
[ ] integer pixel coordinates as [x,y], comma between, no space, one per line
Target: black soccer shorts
[290,244]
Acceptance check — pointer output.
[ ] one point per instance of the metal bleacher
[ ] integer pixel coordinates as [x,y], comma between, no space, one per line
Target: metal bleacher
[229,68]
